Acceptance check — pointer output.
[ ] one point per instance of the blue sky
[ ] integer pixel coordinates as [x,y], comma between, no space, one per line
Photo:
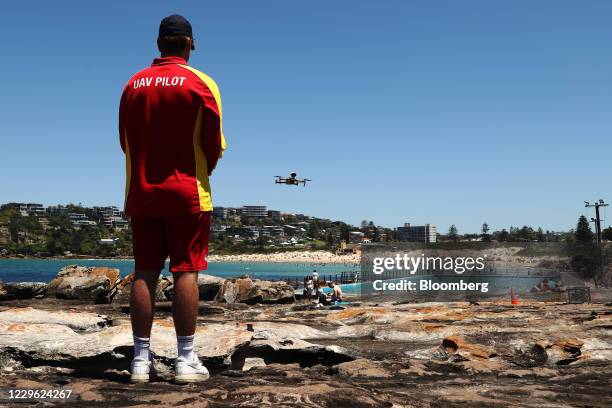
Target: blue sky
[400,111]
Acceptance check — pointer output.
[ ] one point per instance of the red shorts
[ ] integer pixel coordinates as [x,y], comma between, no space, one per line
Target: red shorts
[184,238]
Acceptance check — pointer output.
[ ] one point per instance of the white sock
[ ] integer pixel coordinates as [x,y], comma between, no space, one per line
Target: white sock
[185,346]
[141,347]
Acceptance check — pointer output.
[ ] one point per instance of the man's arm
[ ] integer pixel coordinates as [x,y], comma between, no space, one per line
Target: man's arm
[122,119]
[211,139]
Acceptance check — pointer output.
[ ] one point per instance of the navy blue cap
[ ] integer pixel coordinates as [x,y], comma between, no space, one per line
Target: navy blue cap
[175,25]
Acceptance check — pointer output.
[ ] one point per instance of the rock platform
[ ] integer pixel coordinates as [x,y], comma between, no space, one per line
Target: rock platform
[546,354]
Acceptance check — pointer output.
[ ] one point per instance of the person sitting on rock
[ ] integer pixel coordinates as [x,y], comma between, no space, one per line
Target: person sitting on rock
[336,295]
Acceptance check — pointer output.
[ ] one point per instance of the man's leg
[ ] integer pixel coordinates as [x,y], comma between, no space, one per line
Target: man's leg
[188,243]
[150,252]
[142,301]
[185,312]
[185,302]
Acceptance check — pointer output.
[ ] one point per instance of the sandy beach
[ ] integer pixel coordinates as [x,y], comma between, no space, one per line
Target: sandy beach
[314,257]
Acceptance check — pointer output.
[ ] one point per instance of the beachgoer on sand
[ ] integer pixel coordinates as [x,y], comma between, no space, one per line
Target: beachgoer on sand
[170,131]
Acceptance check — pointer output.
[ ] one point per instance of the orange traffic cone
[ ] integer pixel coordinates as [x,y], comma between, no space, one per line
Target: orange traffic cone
[513,298]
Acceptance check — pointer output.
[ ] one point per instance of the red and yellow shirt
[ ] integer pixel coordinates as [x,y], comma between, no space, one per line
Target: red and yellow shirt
[170,128]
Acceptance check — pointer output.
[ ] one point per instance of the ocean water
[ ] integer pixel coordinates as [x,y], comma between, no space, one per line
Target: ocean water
[43,270]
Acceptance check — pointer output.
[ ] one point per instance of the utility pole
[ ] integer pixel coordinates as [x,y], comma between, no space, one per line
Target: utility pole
[597,204]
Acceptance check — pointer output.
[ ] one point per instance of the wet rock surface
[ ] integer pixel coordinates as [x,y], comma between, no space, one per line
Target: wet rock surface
[367,355]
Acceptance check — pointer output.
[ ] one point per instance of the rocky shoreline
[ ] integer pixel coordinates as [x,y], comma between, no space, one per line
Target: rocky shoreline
[266,350]
[104,285]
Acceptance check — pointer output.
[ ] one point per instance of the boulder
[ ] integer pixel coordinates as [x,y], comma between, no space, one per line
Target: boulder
[124,288]
[85,283]
[75,270]
[235,290]
[272,292]
[2,290]
[209,286]
[25,290]
[245,290]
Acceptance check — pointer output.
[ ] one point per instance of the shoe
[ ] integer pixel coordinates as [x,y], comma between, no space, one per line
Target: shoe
[190,371]
[142,370]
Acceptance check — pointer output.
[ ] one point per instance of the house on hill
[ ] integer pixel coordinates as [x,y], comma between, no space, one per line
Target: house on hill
[348,249]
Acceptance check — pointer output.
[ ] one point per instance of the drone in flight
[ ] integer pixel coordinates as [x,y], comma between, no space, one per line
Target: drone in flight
[292,180]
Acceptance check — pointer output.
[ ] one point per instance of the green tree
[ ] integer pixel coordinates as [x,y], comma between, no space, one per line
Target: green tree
[14,227]
[526,233]
[540,235]
[485,232]
[313,230]
[504,235]
[261,241]
[607,234]
[330,240]
[345,232]
[583,231]
[585,265]
[453,233]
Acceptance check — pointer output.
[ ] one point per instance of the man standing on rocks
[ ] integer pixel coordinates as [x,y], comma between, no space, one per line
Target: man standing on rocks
[170,131]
